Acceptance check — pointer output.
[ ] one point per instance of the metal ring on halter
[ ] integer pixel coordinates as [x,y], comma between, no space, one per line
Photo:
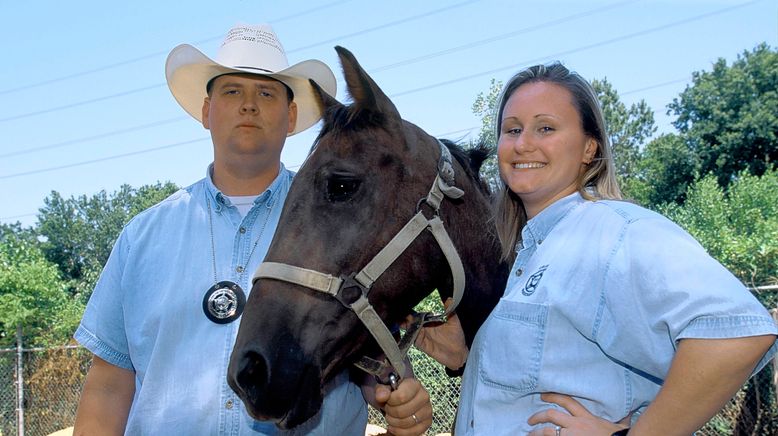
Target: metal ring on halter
[394,381]
[558,431]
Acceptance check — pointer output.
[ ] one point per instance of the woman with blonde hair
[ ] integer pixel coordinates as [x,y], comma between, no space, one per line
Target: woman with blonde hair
[614,319]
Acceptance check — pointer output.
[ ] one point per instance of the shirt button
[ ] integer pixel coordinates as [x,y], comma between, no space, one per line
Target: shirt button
[540,241]
[228,404]
[519,272]
[242,229]
[239,269]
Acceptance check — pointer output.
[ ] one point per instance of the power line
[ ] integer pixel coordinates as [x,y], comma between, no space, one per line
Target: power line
[503,36]
[386,25]
[80,103]
[448,82]
[162,84]
[94,137]
[575,50]
[116,156]
[159,53]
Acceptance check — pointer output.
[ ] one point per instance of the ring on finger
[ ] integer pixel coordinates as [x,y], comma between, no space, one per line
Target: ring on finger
[415,419]
[558,431]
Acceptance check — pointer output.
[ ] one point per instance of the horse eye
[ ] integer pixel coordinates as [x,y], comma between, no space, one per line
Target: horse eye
[341,188]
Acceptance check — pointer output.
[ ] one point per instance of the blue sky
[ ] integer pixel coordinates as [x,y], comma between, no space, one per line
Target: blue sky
[84,106]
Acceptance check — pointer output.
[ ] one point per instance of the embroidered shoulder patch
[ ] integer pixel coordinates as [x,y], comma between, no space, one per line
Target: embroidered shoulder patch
[533,281]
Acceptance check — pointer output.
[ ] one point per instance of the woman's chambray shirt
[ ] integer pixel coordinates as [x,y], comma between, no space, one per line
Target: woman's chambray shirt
[146,315]
[597,299]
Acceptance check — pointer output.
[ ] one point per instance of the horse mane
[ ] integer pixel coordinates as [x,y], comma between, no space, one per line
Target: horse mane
[471,160]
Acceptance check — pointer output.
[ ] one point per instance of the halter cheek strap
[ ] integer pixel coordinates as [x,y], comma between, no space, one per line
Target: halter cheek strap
[363,280]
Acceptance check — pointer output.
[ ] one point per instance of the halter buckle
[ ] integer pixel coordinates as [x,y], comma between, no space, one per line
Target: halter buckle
[350,282]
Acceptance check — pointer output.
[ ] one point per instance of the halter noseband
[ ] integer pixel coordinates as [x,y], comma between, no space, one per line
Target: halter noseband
[442,187]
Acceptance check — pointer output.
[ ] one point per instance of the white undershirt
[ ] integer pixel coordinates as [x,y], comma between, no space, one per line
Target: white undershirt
[244,203]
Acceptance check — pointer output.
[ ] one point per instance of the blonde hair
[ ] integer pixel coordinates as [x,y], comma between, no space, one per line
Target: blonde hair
[599,179]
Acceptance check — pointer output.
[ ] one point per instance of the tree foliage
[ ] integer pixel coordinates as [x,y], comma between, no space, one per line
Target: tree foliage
[729,116]
[665,170]
[80,231]
[628,127]
[485,106]
[737,225]
[32,293]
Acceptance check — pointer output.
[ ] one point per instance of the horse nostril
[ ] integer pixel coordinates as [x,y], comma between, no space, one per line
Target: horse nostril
[252,373]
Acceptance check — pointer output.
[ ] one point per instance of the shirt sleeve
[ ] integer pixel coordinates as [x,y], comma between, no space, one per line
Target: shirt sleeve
[102,329]
[662,286]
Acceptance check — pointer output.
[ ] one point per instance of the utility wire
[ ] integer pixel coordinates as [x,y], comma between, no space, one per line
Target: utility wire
[80,103]
[575,50]
[158,85]
[159,53]
[94,137]
[473,44]
[439,84]
[401,63]
[116,156]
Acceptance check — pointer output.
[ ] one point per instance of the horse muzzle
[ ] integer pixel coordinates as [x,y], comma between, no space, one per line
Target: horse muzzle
[279,386]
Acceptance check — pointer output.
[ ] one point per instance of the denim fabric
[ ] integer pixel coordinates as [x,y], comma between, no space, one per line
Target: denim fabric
[597,299]
[146,315]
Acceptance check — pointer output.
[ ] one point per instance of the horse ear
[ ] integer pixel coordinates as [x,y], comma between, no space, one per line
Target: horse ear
[366,94]
[327,103]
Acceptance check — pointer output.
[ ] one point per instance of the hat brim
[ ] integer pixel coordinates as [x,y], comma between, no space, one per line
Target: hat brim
[188,71]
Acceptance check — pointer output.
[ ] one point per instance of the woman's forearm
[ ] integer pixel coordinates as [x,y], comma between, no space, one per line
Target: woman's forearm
[704,375]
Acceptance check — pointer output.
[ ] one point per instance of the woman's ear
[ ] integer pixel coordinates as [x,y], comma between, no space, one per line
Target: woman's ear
[590,150]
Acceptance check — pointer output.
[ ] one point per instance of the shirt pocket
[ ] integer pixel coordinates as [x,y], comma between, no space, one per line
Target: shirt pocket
[512,346]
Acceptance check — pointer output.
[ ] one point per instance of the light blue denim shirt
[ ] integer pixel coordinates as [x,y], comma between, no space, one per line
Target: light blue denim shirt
[146,315]
[598,297]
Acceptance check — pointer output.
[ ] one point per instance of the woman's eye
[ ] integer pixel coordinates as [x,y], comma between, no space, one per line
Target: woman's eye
[341,188]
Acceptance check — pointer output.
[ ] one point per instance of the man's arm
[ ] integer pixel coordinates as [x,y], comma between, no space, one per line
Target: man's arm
[105,400]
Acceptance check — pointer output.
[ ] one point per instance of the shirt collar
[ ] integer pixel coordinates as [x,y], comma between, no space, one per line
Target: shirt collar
[538,228]
[221,200]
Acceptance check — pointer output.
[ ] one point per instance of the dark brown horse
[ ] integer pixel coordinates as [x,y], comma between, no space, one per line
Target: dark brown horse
[368,173]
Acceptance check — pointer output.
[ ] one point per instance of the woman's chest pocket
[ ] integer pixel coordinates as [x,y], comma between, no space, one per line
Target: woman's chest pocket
[511,348]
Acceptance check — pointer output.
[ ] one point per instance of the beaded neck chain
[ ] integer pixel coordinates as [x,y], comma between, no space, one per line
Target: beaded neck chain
[224,302]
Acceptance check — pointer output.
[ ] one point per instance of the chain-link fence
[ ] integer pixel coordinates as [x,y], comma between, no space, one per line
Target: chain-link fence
[53,379]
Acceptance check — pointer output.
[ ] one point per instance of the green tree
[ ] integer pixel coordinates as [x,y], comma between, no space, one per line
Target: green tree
[729,116]
[32,294]
[628,130]
[485,106]
[80,231]
[738,225]
[665,169]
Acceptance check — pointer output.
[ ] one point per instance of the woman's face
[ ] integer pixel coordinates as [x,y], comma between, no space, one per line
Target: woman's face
[542,149]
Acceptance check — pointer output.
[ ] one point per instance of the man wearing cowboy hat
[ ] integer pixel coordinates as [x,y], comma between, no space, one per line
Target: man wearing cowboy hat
[160,321]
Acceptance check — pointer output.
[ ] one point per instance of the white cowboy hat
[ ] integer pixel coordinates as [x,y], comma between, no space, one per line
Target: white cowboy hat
[253,50]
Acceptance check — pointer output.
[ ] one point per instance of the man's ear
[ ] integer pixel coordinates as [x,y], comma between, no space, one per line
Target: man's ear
[206,111]
[292,117]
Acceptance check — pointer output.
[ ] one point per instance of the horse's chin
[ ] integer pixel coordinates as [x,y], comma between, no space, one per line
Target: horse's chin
[305,403]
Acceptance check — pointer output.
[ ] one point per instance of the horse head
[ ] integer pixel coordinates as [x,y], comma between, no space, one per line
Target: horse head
[368,173]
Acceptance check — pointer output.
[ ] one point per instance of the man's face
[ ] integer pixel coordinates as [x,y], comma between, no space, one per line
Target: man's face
[248,116]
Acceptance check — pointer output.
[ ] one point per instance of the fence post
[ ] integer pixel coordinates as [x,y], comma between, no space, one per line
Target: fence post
[19,382]
[774,312]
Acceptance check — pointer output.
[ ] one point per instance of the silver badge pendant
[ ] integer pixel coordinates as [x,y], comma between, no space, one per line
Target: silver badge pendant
[224,302]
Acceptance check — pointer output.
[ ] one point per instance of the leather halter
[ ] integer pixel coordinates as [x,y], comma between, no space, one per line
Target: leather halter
[363,280]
